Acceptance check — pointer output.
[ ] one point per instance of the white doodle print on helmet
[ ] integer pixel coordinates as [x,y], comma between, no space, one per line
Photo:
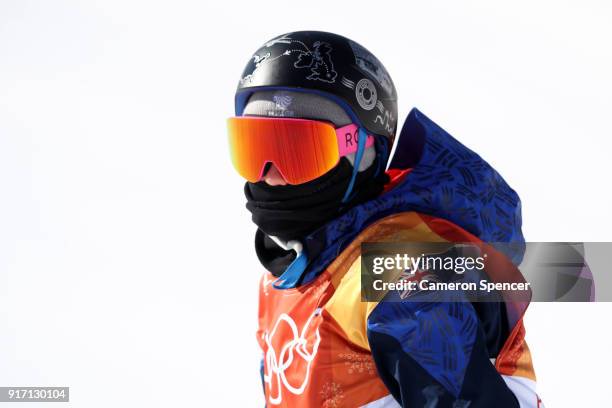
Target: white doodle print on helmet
[365,91]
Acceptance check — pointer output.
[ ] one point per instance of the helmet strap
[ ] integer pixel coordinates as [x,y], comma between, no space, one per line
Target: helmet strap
[361,142]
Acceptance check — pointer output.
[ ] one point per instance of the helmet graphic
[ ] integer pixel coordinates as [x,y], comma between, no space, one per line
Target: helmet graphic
[330,65]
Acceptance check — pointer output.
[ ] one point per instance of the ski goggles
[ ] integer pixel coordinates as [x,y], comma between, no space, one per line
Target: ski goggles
[301,149]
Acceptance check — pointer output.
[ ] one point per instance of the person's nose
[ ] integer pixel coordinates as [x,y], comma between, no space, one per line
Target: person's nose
[273,177]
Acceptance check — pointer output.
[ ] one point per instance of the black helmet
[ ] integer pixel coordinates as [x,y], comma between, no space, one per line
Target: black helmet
[328,64]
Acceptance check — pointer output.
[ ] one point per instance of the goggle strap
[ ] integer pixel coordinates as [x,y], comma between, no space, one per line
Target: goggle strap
[348,139]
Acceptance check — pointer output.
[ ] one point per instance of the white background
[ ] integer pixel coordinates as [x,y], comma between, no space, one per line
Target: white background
[127,269]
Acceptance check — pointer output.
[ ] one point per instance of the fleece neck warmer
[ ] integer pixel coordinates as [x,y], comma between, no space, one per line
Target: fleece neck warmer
[292,211]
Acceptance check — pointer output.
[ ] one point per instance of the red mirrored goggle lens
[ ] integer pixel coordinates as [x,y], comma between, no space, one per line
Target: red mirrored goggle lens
[300,149]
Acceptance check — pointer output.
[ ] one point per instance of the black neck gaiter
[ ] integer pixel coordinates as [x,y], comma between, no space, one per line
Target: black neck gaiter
[292,212]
